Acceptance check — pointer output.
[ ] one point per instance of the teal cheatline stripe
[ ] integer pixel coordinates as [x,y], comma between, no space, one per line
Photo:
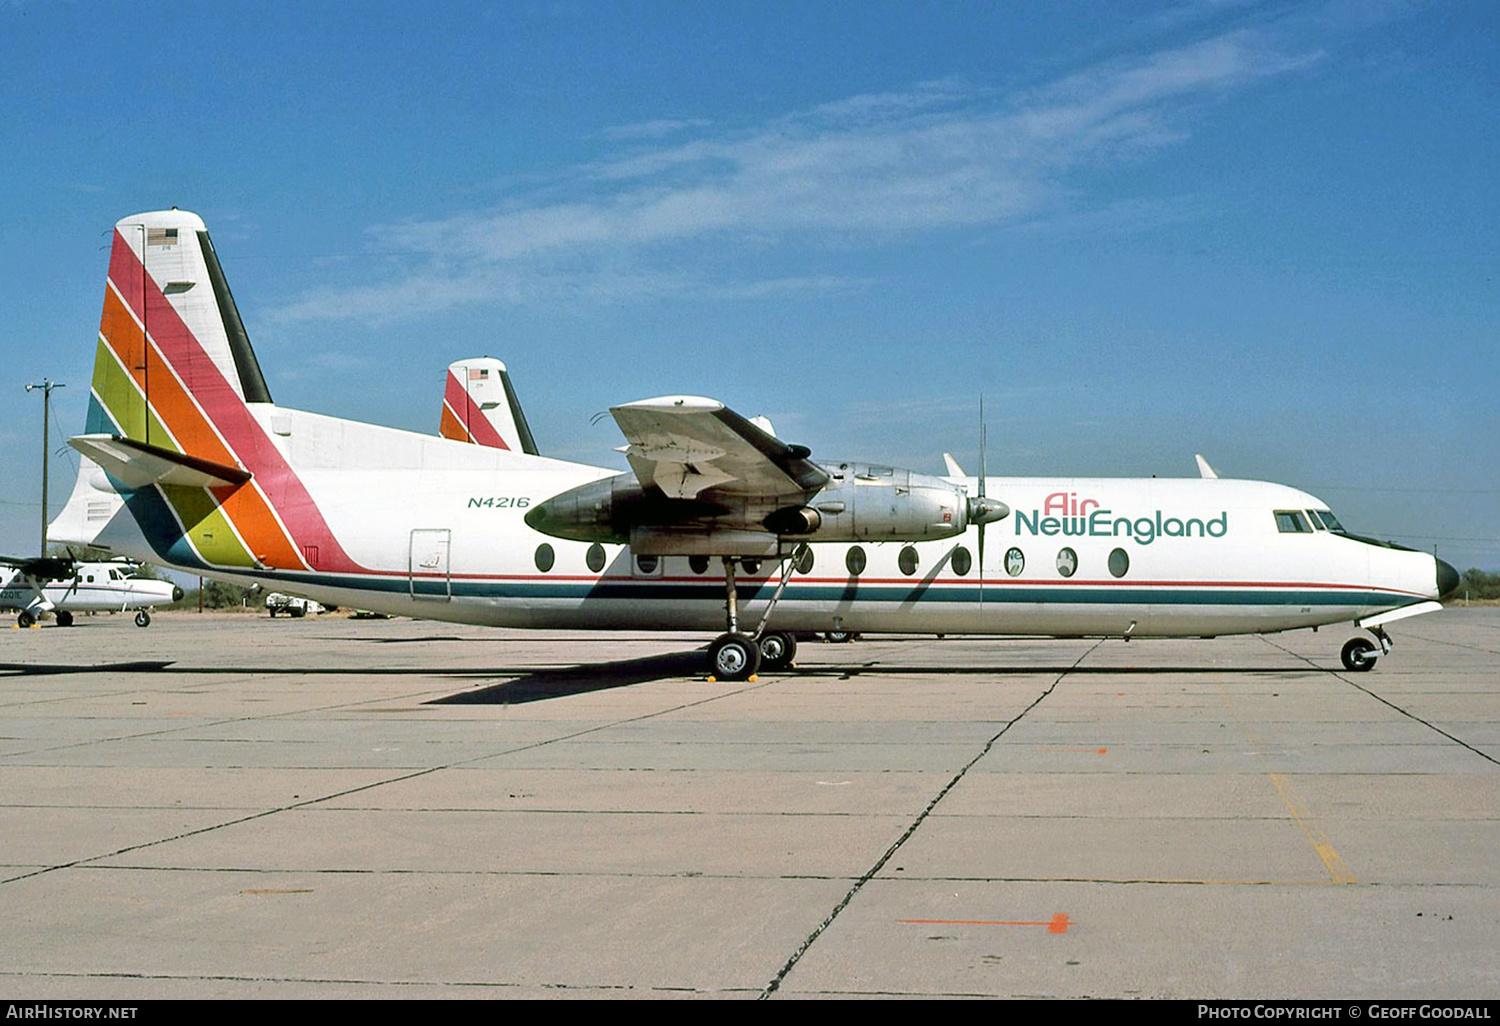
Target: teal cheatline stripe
[647,591]
[159,526]
[99,422]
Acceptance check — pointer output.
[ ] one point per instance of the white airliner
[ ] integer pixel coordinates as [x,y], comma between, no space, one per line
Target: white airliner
[64,587]
[719,525]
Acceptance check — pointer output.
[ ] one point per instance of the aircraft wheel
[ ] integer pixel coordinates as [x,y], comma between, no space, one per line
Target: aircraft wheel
[733,657]
[143,619]
[1357,655]
[838,637]
[25,618]
[64,618]
[777,650]
[297,612]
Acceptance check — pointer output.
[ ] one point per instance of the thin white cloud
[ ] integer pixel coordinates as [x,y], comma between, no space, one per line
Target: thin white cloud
[655,129]
[853,173]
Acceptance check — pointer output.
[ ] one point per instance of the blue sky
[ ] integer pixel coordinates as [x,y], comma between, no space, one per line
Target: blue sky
[1262,231]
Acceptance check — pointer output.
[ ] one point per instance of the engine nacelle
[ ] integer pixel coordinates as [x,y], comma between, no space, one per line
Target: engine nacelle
[868,502]
[861,502]
[608,509]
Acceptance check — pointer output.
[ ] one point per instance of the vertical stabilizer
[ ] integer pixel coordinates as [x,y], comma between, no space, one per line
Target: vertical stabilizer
[176,462]
[165,283]
[480,406]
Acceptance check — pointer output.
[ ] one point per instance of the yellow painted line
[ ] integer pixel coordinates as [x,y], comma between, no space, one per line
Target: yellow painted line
[1338,870]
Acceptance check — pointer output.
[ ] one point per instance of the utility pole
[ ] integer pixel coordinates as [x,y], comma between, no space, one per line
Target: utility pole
[46,386]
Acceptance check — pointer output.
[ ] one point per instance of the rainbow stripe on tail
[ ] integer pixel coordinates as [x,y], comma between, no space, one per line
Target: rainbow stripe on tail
[181,423]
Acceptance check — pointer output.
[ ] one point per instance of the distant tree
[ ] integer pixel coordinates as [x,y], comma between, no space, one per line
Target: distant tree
[218,595]
[1477,584]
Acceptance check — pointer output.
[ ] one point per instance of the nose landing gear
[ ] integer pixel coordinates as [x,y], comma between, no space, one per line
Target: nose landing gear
[1359,654]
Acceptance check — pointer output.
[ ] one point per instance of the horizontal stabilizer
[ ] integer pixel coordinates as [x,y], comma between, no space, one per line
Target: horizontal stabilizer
[136,464]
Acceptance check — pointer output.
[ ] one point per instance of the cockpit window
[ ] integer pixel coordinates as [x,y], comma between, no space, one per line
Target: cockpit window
[1329,520]
[1291,521]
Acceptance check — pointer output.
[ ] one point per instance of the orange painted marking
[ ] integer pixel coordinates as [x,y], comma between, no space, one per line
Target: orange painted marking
[1059,922]
[244,507]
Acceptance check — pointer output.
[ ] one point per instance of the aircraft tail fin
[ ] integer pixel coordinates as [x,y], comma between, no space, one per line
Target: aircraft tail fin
[181,463]
[480,406]
[165,284]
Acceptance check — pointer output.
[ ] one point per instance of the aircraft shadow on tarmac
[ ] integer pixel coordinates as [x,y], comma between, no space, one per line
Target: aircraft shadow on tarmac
[538,685]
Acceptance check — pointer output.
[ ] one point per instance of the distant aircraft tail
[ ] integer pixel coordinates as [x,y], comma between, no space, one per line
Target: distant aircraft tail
[480,406]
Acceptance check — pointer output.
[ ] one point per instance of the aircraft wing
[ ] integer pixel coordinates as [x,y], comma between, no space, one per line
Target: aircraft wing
[687,446]
[41,568]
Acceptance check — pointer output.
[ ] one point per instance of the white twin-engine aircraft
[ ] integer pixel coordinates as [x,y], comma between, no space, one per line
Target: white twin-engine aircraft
[719,524]
[64,586]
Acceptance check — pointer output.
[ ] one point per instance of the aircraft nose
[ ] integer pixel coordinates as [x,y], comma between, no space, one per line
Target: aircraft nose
[1447,579]
[177,591]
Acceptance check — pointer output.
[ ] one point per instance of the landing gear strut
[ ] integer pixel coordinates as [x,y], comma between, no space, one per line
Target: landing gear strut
[732,656]
[738,656]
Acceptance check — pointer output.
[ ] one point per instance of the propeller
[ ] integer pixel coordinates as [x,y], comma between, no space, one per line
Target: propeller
[984,510]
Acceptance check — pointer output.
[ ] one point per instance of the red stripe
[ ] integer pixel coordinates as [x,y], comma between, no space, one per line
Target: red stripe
[472,418]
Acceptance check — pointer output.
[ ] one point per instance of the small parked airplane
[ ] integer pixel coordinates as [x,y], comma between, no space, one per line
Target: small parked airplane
[188,462]
[64,586]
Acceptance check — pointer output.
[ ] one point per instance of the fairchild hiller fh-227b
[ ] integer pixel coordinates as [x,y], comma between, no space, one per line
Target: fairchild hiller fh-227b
[719,525]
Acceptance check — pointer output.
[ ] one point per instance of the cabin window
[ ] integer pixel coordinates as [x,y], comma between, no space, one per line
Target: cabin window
[1067,562]
[1119,562]
[594,558]
[855,561]
[1291,521]
[91,578]
[961,562]
[647,564]
[699,564]
[803,560]
[750,566]
[1015,562]
[907,561]
[545,557]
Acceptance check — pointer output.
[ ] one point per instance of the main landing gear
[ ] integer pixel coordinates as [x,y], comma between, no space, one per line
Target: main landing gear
[738,656]
[1359,654]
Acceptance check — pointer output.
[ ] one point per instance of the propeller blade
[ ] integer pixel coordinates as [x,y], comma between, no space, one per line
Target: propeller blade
[983,431]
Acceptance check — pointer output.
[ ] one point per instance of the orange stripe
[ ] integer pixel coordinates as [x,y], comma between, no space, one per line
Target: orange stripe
[245,507]
[119,329]
[451,427]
